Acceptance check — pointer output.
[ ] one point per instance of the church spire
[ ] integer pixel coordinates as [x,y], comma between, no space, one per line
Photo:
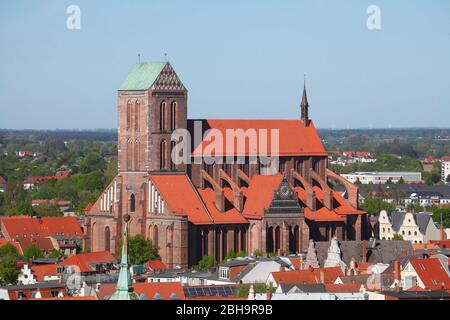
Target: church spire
[124,288]
[304,106]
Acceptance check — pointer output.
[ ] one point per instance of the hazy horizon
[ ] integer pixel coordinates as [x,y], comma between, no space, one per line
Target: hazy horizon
[237,59]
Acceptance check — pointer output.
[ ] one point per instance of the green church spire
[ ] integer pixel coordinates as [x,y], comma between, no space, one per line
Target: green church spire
[124,288]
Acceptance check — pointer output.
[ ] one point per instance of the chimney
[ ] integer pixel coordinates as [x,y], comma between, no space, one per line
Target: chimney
[442,233]
[364,251]
[322,276]
[281,268]
[268,294]
[397,274]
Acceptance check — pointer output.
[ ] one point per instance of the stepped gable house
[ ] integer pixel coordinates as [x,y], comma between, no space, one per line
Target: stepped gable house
[192,210]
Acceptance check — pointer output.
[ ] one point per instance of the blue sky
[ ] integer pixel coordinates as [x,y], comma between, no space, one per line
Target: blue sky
[238,59]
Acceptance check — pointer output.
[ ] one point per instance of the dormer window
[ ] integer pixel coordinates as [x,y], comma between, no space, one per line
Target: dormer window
[224,273]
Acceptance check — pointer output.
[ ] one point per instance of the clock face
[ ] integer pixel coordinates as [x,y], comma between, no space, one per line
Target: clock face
[285,191]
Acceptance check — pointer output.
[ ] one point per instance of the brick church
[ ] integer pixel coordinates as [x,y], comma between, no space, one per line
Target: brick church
[201,208]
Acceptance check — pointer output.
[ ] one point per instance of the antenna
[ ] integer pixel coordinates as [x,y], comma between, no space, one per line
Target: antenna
[139,58]
[165,57]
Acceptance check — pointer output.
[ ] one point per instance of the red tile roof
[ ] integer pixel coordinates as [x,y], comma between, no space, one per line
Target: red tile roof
[165,289]
[259,194]
[85,261]
[38,179]
[181,197]
[40,271]
[307,276]
[88,207]
[149,289]
[44,244]
[432,273]
[296,262]
[295,139]
[62,175]
[156,264]
[230,215]
[41,227]
[415,288]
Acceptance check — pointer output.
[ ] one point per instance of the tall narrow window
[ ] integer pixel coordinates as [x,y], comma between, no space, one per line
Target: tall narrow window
[162,116]
[129,115]
[163,155]
[136,115]
[107,239]
[172,154]
[136,155]
[132,203]
[129,154]
[173,116]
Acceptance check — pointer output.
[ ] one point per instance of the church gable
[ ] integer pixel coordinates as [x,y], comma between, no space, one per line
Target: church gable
[285,201]
[168,80]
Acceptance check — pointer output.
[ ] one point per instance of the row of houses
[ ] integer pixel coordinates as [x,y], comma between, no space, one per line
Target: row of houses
[63,234]
[350,157]
[347,270]
[33,182]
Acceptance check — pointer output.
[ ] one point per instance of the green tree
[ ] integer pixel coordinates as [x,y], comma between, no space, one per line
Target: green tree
[92,162]
[257,253]
[374,205]
[14,194]
[401,181]
[8,271]
[32,251]
[243,289]
[141,250]
[24,208]
[56,254]
[8,250]
[230,255]
[206,263]
[47,210]
[397,237]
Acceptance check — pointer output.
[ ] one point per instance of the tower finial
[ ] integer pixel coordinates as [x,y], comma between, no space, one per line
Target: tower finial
[139,58]
[304,106]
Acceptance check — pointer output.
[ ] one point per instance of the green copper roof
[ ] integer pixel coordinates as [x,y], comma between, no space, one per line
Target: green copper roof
[142,76]
[124,288]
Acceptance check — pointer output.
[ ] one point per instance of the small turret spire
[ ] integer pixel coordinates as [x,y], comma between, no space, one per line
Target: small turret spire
[304,106]
[124,288]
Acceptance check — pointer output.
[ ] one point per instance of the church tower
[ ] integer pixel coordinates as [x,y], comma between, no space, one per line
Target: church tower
[304,106]
[152,103]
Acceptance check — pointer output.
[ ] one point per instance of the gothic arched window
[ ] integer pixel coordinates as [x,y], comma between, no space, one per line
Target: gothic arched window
[163,116]
[132,203]
[173,116]
[163,155]
[129,115]
[107,239]
[136,115]
[136,155]
[172,148]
